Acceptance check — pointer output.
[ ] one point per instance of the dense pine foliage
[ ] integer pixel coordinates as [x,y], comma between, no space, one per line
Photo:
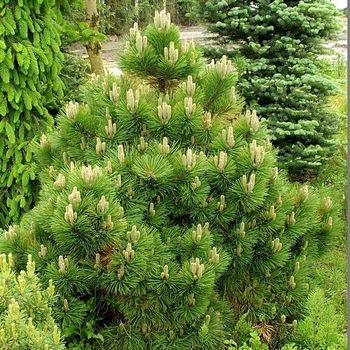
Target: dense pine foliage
[281,41]
[163,218]
[25,314]
[29,65]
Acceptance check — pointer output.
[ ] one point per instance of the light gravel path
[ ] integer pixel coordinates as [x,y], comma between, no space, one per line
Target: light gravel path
[114,44]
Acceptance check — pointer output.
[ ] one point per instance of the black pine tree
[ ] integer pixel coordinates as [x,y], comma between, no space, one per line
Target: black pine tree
[161,207]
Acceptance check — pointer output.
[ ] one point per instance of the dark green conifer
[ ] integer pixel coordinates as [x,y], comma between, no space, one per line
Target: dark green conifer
[282,79]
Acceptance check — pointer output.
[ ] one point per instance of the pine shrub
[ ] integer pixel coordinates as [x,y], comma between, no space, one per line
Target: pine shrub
[282,78]
[25,312]
[163,218]
[30,60]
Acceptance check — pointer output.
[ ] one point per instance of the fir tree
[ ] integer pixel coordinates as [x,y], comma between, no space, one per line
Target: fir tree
[25,314]
[29,65]
[162,216]
[282,80]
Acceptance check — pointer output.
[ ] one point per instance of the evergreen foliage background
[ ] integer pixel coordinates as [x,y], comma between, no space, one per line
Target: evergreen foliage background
[117,16]
[159,217]
[30,61]
[74,74]
[282,77]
